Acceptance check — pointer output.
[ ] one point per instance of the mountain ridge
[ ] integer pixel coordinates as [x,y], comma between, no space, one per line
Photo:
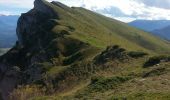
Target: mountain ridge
[150,25]
[156,27]
[163,32]
[60,47]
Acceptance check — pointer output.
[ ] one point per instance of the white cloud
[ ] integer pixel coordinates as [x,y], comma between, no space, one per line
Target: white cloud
[157,3]
[126,6]
[17,3]
[139,9]
[123,19]
[76,3]
[5,13]
[129,9]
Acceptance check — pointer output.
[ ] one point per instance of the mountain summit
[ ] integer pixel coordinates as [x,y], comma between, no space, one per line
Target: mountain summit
[59,47]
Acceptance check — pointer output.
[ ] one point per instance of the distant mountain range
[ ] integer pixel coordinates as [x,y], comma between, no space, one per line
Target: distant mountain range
[164,32]
[150,25]
[8,30]
[157,27]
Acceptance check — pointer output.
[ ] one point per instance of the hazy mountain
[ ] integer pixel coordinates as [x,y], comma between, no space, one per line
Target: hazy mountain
[149,25]
[164,32]
[156,27]
[75,54]
[8,30]
[3,50]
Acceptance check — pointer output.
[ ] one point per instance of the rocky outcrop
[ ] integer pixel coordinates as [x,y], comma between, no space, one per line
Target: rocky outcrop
[110,54]
[34,35]
[37,47]
[9,78]
[30,23]
[41,5]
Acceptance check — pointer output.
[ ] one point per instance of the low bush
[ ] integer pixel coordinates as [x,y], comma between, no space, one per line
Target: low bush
[101,84]
[156,60]
[111,53]
[137,54]
[26,92]
[154,72]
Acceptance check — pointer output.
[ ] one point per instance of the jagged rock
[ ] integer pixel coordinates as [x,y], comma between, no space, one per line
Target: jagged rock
[30,23]
[42,6]
[9,78]
[37,43]
[33,31]
[111,53]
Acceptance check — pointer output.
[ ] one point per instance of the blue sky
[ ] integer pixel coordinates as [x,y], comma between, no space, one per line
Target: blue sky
[7,10]
[124,10]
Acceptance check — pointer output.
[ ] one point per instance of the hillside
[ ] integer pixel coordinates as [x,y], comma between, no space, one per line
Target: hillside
[164,32]
[8,30]
[73,53]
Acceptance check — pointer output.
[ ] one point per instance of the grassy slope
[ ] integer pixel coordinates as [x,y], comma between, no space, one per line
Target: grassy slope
[101,31]
[137,87]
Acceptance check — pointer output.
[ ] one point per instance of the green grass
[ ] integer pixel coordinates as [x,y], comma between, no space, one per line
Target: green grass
[101,84]
[143,96]
[101,31]
[80,35]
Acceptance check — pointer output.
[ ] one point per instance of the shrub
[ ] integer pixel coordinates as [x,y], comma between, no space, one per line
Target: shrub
[46,66]
[156,60]
[137,54]
[155,72]
[102,84]
[111,53]
[26,92]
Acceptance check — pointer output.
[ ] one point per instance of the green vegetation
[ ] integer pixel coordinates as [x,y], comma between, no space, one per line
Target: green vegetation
[79,54]
[143,96]
[101,31]
[155,72]
[111,53]
[103,84]
[26,92]
[137,54]
[156,60]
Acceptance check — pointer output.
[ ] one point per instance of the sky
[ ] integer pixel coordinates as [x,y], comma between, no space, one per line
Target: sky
[124,10]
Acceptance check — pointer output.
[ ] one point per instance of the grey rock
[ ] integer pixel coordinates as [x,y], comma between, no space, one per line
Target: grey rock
[29,23]
[9,78]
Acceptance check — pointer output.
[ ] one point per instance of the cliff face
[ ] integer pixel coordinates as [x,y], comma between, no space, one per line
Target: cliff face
[9,78]
[36,46]
[34,35]
[31,23]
